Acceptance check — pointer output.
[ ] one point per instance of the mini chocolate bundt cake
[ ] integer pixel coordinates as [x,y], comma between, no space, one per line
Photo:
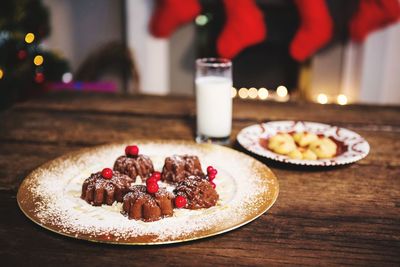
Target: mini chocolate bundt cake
[98,190]
[198,192]
[177,168]
[134,165]
[140,205]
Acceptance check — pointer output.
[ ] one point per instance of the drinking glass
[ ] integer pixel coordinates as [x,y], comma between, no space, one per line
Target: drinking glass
[213,100]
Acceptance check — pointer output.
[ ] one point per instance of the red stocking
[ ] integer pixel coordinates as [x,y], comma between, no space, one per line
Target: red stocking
[170,14]
[244,27]
[372,15]
[315,28]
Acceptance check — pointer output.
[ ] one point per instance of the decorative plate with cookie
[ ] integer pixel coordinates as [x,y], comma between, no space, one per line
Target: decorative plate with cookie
[304,143]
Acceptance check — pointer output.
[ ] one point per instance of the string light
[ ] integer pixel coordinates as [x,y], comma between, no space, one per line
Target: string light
[263,93]
[201,20]
[322,99]
[281,91]
[38,60]
[342,99]
[29,38]
[281,94]
[253,93]
[67,77]
[1,74]
[233,92]
[243,93]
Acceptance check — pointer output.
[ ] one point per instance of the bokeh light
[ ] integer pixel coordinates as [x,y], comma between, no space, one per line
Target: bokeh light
[29,37]
[281,91]
[38,60]
[67,77]
[322,99]
[263,93]
[22,54]
[342,99]
[243,93]
[201,20]
[253,92]
[233,92]
[39,77]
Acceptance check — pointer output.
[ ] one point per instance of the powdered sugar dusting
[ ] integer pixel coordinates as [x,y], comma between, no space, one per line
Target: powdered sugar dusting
[240,185]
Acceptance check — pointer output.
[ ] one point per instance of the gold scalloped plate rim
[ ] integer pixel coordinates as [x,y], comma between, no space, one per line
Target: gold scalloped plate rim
[268,198]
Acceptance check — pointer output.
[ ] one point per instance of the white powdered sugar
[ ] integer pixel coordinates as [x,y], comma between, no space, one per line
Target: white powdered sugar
[239,185]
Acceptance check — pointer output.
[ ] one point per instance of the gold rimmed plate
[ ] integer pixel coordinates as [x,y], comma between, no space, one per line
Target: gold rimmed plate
[50,196]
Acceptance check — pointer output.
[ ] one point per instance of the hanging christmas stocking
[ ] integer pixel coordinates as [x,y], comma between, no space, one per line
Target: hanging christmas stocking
[244,27]
[315,29]
[372,15]
[170,14]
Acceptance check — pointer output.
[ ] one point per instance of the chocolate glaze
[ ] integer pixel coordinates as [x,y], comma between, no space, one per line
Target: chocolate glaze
[198,192]
[177,168]
[133,166]
[140,205]
[97,191]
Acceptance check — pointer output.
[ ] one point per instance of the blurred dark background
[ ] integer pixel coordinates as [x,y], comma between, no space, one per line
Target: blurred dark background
[105,46]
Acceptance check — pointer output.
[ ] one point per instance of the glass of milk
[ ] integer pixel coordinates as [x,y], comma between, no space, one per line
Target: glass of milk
[213,100]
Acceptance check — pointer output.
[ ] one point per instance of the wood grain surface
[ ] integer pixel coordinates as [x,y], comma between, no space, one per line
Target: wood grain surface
[337,216]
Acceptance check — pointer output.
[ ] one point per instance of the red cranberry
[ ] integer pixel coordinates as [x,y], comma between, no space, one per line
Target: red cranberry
[180,202]
[107,173]
[156,175]
[151,180]
[211,176]
[152,188]
[132,151]
[209,169]
[213,184]
[214,172]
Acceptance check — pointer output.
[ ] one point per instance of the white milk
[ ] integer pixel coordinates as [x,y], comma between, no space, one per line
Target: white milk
[214,106]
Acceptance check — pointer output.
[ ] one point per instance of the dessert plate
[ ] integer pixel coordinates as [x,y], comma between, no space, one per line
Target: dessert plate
[354,147]
[50,196]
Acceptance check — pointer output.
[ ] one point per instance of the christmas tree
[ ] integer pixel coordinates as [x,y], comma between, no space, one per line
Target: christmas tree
[25,66]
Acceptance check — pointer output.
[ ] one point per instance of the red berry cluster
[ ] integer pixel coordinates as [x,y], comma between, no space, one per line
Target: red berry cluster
[107,173]
[132,151]
[151,182]
[212,173]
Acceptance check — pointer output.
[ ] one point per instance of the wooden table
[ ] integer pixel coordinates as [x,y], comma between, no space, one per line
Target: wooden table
[346,215]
